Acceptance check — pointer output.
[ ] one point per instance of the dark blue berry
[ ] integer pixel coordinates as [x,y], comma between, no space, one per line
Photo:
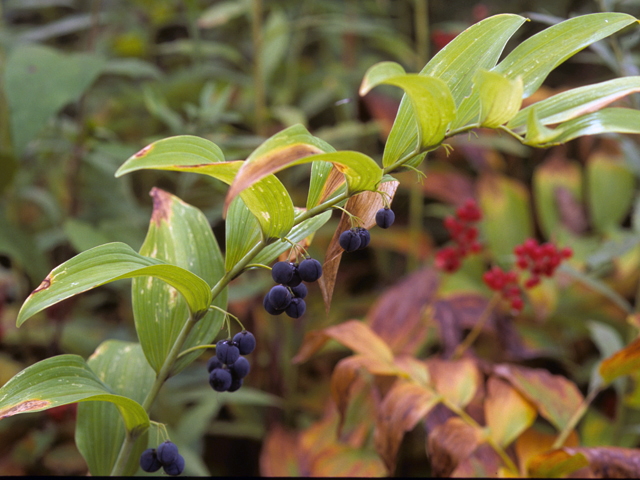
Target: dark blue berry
[365,237]
[167,452]
[310,270]
[282,272]
[296,280]
[220,379]
[149,461]
[349,240]
[214,362]
[279,297]
[268,307]
[240,368]
[300,291]
[245,341]
[175,468]
[227,351]
[385,217]
[236,383]
[296,308]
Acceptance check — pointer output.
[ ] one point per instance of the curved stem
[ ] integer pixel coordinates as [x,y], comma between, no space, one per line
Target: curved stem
[575,418]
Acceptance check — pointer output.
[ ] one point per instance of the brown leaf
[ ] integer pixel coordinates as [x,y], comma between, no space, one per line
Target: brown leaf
[456,380]
[610,462]
[622,362]
[364,205]
[556,398]
[484,462]
[345,461]
[507,412]
[556,463]
[402,408]
[533,442]
[334,181]
[449,444]
[353,334]
[413,368]
[279,455]
[398,316]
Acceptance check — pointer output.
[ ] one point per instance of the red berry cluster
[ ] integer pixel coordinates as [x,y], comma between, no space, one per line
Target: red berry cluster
[463,233]
[539,259]
[506,283]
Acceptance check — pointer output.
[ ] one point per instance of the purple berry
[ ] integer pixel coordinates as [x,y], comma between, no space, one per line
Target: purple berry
[227,352]
[310,270]
[167,452]
[149,461]
[385,217]
[349,240]
[246,342]
[279,297]
[175,468]
[296,308]
[282,272]
[240,368]
[220,379]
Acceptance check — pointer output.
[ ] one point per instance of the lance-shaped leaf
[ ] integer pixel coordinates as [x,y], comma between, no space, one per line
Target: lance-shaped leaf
[99,432]
[431,100]
[319,182]
[500,97]
[455,380]
[178,233]
[107,263]
[576,102]
[241,234]
[267,199]
[506,411]
[623,362]
[479,46]
[62,380]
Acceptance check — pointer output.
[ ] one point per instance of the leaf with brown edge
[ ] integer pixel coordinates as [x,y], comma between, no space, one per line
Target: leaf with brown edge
[556,463]
[398,315]
[278,457]
[365,205]
[352,334]
[401,410]
[413,368]
[345,373]
[533,442]
[556,398]
[450,443]
[455,380]
[610,462]
[507,412]
[484,462]
[623,362]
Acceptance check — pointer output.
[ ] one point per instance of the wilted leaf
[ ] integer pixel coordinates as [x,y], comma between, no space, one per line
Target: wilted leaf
[507,413]
[398,315]
[610,462]
[353,334]
[556,463]
[364,206]
[621,363]
[450,443]
[532,442]
[401,410]
[484,462]
[556,398]
[455,380]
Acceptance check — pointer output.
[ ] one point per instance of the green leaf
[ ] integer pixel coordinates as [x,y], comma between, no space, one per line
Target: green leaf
[123,367]
[500,97]
[39,81]
[267,199]
[107,263]
[319,175]
[576,102]
[62,380]
[479,46]
[180,234]
[431,100]
[242,233]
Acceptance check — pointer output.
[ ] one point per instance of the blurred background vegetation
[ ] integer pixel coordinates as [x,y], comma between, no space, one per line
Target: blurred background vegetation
[85,84]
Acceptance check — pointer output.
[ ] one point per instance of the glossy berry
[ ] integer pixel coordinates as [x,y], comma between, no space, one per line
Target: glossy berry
[365,237]
[245,341]
[240,368]
[310,270]
[175,468]
[385,217]
[227,352]
[236,383]
[282,272]
[349,240]
[279,297]
[300,291]
[220,379]
[296,308]
[214,362]
[149,461]
[167,452]
[268,307]
[296,280]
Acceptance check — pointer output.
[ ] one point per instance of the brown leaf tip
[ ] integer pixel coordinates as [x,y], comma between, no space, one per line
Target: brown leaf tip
[161,205]
[46,283]
[144,151]
[26,406]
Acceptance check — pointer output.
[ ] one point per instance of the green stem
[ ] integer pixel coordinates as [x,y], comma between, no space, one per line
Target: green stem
[575,418]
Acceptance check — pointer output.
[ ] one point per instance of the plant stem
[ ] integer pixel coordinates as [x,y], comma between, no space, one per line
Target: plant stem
[575,418]
[477,328]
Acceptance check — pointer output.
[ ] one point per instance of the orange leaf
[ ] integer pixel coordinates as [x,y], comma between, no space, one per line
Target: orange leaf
[556,463]
[402,408]
[556,398]
[455,380]
[532,442]
[345,461]
[450,443]
[353,334]
[279,457]
[622,362]
[507,412]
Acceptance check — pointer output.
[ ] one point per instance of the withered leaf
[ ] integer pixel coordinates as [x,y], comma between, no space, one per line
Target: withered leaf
[484,462]
[556,463]
[278,457]
[507,412]
[449,444]
[610,462]
[622,362]
[533,442]
[456,380]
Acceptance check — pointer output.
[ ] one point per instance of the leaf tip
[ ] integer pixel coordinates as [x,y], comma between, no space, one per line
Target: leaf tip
[161,205]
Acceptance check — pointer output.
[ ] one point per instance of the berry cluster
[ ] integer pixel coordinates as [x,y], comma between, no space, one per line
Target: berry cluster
[289,295]
[463,233]
[539,259]
[165,456]
[228,367]
[358,238]
[507,284]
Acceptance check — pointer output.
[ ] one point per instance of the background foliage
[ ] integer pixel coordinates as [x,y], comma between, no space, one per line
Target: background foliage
[114,76]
